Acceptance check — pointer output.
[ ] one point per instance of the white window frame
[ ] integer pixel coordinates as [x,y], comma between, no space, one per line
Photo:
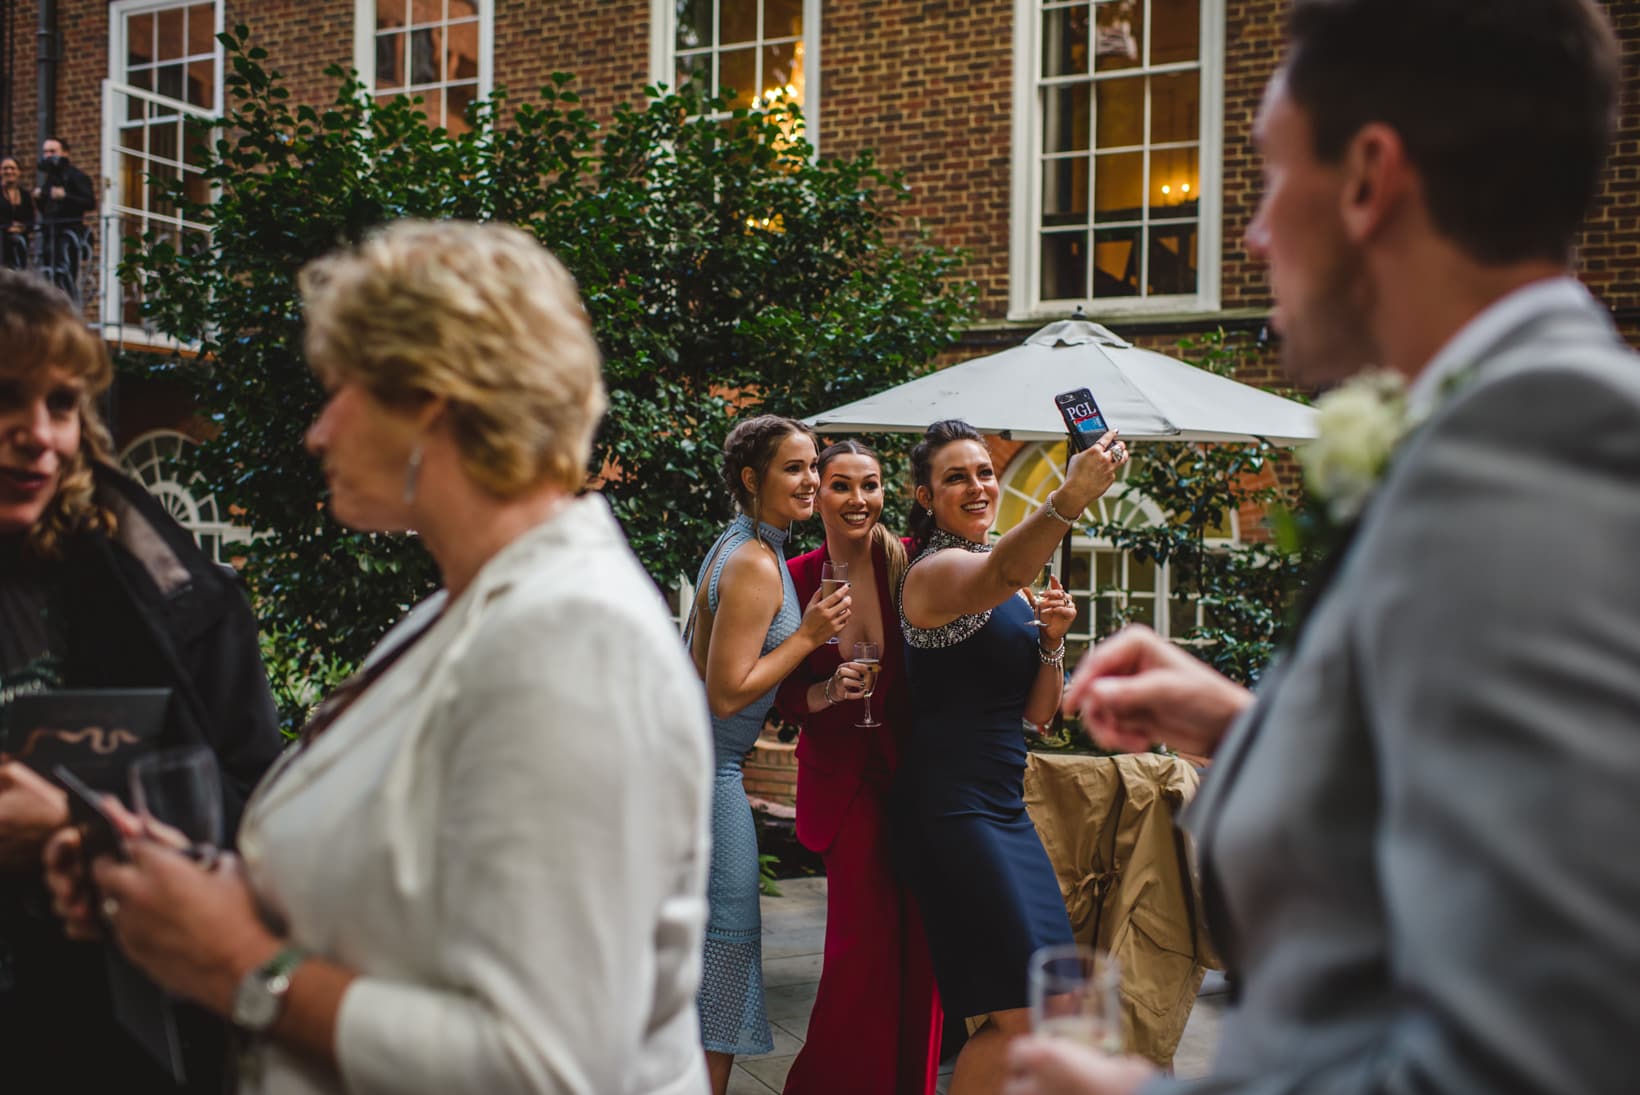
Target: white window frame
[1025,255]
[116,91]
[364,45]
[1119,505]
[150,459]
[663,36]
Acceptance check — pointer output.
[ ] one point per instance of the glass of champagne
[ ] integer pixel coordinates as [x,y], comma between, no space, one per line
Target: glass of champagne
[1040,585]
[868,656]
[178,795]
[1075,993]
[833,576]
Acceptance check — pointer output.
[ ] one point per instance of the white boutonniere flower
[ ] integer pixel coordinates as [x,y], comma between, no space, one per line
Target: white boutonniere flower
[1359,424]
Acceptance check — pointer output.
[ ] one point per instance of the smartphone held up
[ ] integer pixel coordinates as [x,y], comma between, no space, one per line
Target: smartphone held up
[1084,422]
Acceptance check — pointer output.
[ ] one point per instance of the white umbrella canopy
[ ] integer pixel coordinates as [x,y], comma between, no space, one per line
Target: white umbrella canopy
[1147,396]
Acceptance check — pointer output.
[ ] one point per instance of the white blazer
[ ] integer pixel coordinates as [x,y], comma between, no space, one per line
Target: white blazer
[506,837]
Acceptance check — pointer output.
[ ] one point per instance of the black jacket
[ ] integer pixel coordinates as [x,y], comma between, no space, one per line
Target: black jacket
[79,196]
[143,608]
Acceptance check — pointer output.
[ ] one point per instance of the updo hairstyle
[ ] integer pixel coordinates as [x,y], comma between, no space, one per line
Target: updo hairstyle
[935,438]
[752,444]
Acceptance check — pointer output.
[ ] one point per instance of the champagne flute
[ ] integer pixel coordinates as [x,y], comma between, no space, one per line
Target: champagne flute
[833,576]
[1040,585]
[178,795]
[1075,993]
[868,656]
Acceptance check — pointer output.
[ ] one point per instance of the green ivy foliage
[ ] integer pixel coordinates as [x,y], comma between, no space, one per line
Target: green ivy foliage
[725,269]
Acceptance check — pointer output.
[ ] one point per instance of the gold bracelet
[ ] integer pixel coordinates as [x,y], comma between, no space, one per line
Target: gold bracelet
[825,690]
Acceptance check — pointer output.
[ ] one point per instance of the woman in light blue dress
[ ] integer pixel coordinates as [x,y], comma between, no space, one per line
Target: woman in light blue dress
[746,635]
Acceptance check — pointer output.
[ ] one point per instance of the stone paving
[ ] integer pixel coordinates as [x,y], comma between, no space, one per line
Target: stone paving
[794,928]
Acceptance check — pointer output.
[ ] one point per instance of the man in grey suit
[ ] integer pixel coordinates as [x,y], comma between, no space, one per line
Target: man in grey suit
[1415,840]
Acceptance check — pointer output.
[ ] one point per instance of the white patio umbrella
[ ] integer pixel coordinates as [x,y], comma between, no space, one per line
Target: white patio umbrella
[1146,395]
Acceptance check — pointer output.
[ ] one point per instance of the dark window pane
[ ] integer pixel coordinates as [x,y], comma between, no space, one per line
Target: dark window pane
[1064,265]
[170,81]
[1116,263]
[1065,41]
[143,78]
[196,135]
[737,68]
[696,68]
[165,139]
[389,14]
[172,44]
[456,101]
[1172,259]
[1175,183]
[132,136]
[1181,617]
[1175,31]
[782,18]
[694,23]
[201,29]
[196,187]
[202,84]
[1065,118]
[1065,192]
[424,59]
[461,51]
[1175,108]
[389,60]
[1118,187]
[1118,28]
[781,70]
[1120,107]
[739,21]
[139,39]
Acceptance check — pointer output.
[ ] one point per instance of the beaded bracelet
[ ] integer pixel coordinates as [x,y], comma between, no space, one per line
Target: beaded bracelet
[1056,656]
[826,688]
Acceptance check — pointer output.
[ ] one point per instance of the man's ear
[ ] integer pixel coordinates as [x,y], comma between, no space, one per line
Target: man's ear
[1377,178]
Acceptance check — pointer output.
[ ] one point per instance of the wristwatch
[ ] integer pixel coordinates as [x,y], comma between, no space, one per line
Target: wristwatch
[260,996]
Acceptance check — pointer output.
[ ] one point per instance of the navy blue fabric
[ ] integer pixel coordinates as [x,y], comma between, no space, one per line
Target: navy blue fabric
[965,844]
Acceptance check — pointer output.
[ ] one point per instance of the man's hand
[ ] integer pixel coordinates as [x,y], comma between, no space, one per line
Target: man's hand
[58,193]
[31,809]
[1054,1066]
[1136,689]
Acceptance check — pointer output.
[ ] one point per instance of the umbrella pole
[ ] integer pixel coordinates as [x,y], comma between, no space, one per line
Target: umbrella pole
[1064,571]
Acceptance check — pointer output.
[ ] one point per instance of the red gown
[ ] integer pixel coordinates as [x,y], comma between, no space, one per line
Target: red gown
[875,1028]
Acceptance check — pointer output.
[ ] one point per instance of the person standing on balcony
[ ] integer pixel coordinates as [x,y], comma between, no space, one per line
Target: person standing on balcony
[17,216]
[746,633]
[65,195]
[875,1029]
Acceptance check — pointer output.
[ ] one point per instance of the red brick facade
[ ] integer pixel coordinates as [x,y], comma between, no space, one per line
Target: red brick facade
[928,84]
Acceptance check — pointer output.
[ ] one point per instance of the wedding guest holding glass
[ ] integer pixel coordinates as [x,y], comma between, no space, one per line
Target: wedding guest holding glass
[99,588]
[875,1028]
[1414,839]
[746,632]
[17,216]
[483,870]
[981,658]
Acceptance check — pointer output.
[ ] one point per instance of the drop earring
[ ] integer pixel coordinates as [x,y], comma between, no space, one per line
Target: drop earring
[412,474]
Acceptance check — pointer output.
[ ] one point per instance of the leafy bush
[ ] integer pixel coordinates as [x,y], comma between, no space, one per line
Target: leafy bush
[724,269]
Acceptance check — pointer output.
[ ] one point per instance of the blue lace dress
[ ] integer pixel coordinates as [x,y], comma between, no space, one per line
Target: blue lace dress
[733,1017]
[965,845]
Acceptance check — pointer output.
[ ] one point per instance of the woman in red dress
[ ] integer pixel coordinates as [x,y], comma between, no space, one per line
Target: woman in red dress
[875,1029]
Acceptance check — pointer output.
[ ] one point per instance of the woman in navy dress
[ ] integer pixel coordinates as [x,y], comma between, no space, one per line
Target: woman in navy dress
[748,632]
[978,668]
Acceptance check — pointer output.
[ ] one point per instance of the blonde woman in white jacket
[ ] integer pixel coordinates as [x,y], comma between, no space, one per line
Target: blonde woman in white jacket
[483,870]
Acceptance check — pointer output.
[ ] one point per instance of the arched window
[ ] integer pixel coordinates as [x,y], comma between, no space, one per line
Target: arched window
[1110,586]
[153,461]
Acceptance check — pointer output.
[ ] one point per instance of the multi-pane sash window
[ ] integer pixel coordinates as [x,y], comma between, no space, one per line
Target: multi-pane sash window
[164,91]
[1120,189]
[765,50]
[432,49]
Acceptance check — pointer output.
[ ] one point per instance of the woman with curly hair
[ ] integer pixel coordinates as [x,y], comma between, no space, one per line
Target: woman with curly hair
[98,588]
[746,634]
